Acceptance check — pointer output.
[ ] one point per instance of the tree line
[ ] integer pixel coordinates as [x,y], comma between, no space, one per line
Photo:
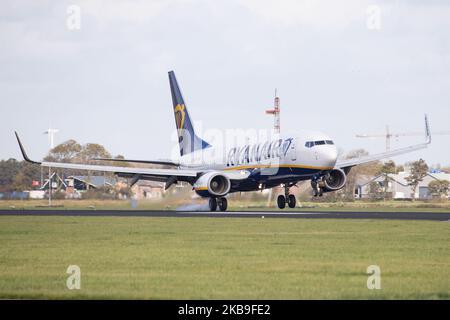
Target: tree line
[19,175]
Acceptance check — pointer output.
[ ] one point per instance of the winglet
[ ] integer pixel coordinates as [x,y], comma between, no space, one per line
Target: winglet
[427,130]
[24,154]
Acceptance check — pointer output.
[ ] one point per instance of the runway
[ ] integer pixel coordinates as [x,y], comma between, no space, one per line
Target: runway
[234,214]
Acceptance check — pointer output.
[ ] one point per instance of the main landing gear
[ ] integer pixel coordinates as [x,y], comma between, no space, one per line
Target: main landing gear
[221,203]
[287,198]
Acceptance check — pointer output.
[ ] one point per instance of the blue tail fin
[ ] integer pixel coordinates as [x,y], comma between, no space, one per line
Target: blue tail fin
[188,140]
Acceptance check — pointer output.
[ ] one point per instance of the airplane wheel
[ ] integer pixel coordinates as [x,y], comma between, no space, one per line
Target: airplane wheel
[212,204]
[281,201]
[223,204]
[291,201]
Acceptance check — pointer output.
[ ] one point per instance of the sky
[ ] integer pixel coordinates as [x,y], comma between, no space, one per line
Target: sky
[97,71]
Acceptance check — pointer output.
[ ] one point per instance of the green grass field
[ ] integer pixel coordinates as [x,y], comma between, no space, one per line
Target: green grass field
[222,258]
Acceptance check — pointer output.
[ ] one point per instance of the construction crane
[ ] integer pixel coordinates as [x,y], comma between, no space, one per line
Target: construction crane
[389,135]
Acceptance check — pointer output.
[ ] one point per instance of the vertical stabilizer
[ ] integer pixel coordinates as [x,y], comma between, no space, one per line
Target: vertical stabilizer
[188,140]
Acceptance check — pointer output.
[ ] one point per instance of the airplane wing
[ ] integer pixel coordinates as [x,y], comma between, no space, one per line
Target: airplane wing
[169,176]
[160,162]
[163,175]
[371,158]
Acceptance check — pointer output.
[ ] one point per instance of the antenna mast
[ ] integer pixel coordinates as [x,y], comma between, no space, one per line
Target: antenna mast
[276,113]
[276,128]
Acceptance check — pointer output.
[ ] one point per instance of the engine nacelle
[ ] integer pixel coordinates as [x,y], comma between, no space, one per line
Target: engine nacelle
[334,180]
[212,184]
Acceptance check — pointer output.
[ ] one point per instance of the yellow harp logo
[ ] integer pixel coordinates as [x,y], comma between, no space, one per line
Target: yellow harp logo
[179,115]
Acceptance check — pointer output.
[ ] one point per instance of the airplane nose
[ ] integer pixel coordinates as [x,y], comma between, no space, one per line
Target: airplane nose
[329,156]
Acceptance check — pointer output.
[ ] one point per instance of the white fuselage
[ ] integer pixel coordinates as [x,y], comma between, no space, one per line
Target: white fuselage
[284,158]
[303,149]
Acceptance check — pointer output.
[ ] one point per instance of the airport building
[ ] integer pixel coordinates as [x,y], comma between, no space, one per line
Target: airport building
[398,186]
[73,187]
[145,189]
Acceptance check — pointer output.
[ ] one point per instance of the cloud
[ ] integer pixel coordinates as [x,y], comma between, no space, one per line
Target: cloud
[229,56]
[125,11]
[312,13]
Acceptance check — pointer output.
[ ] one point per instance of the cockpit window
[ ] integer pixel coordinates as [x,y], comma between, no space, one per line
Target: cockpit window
[310,144]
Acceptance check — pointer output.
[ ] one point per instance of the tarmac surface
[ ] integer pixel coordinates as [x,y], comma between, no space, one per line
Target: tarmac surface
[234,214]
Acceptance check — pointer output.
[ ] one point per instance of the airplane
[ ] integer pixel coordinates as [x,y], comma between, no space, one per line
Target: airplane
[283,161]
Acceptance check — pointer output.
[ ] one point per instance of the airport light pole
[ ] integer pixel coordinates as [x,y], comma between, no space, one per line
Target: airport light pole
[49,187]
[51,137]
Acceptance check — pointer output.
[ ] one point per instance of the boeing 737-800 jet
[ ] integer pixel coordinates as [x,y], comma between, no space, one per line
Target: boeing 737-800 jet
[282,161]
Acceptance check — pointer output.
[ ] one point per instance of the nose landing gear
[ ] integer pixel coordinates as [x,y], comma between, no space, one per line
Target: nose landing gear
[317,185]
[287,198]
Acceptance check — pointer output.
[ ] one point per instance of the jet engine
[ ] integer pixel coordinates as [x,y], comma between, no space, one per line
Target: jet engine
[212,184]
[333,180]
